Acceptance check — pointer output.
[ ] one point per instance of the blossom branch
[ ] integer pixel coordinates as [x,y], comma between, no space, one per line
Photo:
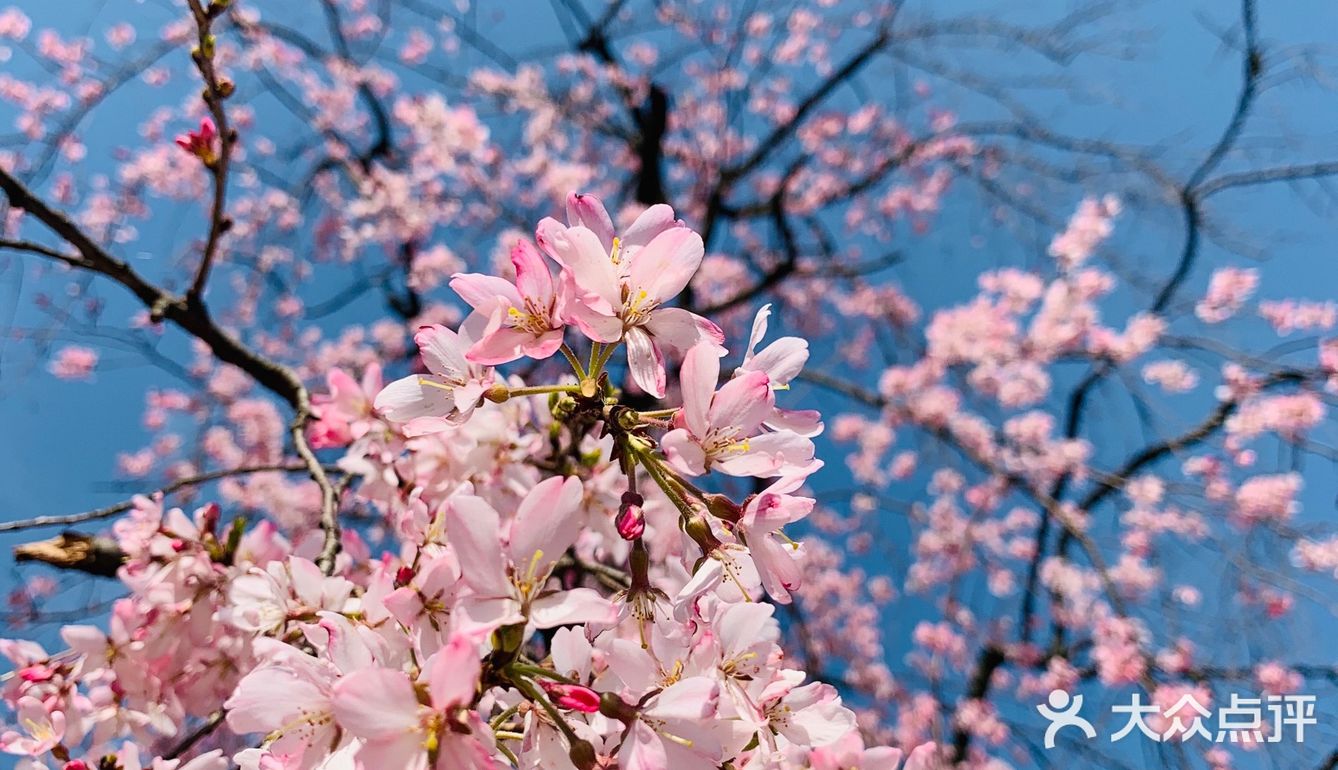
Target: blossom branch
[125,505]
[193,318]
[216,90]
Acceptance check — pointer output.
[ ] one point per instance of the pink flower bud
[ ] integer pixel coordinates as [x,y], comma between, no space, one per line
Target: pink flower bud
[200,143]
[572,696]
[631,519]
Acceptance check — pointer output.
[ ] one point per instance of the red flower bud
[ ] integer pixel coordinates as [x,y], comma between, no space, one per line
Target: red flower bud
[631,519]
[571,696]
[403,576]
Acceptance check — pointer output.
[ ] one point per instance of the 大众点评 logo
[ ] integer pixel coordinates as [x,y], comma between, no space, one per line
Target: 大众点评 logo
[1265,719]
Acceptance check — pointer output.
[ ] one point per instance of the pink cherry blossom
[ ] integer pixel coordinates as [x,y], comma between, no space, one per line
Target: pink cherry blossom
[524,319]
[722,429]
[619,285]
[446,394]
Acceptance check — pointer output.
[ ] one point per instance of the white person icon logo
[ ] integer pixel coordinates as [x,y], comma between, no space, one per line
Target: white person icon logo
[1063,712]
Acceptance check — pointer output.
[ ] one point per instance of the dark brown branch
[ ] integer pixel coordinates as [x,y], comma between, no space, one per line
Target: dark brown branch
[98,556]
[215,91]
[125,505]
[193,318]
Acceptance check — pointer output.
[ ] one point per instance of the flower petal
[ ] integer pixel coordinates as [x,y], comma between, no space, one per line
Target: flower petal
[649,224]
[683,452]
[588,211]
[547,523]
[697,379]
[591,267]
[376,704]
[743,403]
[474,531]
[533,281]
[415,396]
[453,674]
[681,330]
[645,362]
[443,352]
[667,263]
[485,293]
[579,605]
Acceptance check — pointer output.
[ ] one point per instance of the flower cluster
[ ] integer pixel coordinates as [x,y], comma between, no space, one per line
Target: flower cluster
[561,590]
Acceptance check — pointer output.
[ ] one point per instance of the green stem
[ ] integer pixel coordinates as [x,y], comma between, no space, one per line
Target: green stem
[539,390]
[535,694]
[652,467]
[596,350]
[540,671]
[604,356]
[659,414]
[574,361]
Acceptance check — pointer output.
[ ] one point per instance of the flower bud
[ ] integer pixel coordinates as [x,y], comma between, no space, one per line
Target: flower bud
[571,696]
[582,755]
[614,707]
[209,516]
[498,394]
[631,519]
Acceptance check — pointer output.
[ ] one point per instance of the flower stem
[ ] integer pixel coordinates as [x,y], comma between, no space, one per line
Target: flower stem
[597,363]
[532,692]
[653,467]
[539,390]
[574,361]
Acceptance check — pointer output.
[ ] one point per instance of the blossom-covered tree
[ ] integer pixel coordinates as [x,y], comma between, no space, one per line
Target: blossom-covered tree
[470,441]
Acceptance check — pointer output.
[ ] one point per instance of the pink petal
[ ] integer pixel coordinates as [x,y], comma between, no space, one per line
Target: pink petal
[376,704]
[533,281]
[591,267]
[667,263]
[598,325]
[588,211]
[443,352]
[922,757]
[642,749]
[805,422]
[649,224]
[547,522]
[691,699]
[645,361]
[411,397]
[467,752]
[540,348]
[758,332]
[743,402]
[486,293]
[499,346]
[270,697]
[454,673]
[769,454]
[782,360]
[683,452]
[577,606]
[698,377]
[473,529]
[681,330]
[404,753]
[779,567]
